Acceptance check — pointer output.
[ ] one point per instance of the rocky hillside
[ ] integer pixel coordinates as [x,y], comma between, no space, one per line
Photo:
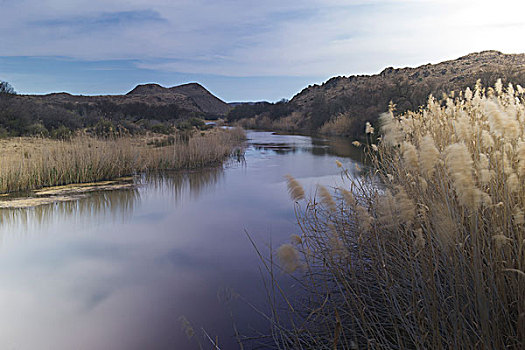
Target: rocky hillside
[348,102]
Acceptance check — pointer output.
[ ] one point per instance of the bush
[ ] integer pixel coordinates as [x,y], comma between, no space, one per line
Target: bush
[62,133]
[105,128]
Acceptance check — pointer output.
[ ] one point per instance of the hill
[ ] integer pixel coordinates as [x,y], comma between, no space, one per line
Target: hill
[146,107]
[189,96]
[342,105]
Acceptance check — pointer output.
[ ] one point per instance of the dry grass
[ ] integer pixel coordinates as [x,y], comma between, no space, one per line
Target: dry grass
[341,125]
[32,163]
[434,257]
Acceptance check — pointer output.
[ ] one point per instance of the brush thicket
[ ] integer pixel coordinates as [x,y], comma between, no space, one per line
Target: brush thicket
[31,163]
[431,256]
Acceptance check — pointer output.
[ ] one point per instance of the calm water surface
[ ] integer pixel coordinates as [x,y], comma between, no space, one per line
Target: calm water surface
[117,270]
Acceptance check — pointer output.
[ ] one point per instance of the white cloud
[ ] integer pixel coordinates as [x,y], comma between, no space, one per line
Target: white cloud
[258,38]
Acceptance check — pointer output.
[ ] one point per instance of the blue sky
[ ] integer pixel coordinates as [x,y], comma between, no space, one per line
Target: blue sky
[241,50]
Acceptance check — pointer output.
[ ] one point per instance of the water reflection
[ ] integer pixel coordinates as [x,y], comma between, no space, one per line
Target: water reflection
[316,145]
[116,205]
[180,183]
[118,269]
[113,205]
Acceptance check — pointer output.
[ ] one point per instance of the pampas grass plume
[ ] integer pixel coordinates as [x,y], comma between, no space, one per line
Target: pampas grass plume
[428,156]
[326,198]
[288,256]
[294,188]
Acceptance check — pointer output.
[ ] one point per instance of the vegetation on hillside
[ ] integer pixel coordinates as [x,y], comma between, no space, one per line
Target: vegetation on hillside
[428,252]
[61,115]
[343,105]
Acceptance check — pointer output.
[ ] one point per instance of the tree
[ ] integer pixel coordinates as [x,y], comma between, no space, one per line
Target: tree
[6,88]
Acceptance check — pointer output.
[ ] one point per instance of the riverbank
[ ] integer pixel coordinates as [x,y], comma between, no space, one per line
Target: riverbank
[33,163]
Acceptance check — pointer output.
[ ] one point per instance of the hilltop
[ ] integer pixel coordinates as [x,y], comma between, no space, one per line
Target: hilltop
[342,105]
[191,97]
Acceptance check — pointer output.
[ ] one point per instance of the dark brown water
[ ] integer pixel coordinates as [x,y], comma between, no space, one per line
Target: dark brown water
[118,270]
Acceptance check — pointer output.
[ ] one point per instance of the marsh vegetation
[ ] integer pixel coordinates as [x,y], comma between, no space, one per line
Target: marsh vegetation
[428,251]
[30,163]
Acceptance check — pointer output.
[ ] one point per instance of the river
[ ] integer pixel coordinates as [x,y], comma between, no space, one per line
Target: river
[122,269]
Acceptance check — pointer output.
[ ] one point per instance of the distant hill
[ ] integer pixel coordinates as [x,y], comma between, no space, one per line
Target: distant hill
[146,107]
[191,97]
[363,97]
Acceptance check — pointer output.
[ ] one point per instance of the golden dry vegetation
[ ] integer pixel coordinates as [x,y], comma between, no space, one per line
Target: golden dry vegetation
[32,163]
[428,252]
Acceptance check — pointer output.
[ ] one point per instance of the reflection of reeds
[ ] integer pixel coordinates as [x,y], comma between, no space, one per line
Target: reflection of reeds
[179,182]
[435,258]
[108,204]
[115,204]
[34,163]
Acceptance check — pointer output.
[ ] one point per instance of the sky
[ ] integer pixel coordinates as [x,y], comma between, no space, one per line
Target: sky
[240,50]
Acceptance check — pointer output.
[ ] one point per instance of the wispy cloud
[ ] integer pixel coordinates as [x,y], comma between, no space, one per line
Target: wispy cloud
[295,38]
[102,20]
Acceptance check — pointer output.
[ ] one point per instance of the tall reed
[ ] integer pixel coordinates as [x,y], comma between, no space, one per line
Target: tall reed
[31,163]
[432,257]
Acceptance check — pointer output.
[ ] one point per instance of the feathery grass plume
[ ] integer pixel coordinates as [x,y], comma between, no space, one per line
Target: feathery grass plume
[410,157]
[404,206]
[337,247]
[513,183]
[348,197]
[428,156]
[294,188]
[498,87]
[369,129]
[338,163]
[520,89]
[364,220]
[507,164]
[462,127]
[296,239]
[374,147]
[484,174]
[500,122]
[386,215]
[487,140]
[459,164]
[288,256]
[444,226]
[391,129]
[468,94]
[326,198]
[356,143]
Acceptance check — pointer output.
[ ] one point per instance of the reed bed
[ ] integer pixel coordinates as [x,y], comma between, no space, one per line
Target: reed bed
[428,252]
[33,163]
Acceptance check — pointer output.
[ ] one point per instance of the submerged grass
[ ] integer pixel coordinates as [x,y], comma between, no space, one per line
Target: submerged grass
[33,163]
[434,257]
